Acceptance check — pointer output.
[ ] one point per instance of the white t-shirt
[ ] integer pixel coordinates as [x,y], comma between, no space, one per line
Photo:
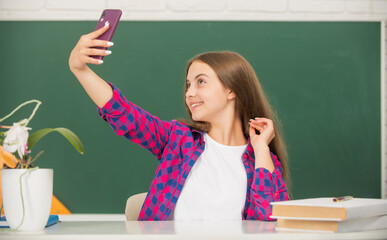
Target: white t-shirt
[216,185]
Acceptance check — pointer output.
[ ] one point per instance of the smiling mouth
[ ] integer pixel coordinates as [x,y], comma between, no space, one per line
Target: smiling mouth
[196,105]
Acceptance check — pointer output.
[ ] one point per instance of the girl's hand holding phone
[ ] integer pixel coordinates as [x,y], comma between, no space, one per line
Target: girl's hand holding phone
[82,52]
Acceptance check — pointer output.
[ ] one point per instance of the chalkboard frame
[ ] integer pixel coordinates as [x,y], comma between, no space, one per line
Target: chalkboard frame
[37,47]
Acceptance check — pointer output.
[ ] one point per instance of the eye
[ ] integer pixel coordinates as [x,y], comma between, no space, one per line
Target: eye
[201,80]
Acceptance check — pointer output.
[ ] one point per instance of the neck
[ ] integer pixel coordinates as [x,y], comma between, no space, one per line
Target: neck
[228,132]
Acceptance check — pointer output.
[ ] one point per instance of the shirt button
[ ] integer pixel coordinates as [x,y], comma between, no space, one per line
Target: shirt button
[276,194]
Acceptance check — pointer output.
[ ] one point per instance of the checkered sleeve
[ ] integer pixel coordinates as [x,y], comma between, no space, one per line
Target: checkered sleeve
[136,124]
[266,188]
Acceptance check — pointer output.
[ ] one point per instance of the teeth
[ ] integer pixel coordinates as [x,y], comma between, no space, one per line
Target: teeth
[196,104]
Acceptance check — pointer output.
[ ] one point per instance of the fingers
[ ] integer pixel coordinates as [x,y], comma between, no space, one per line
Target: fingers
[259,128]
[265,128]
[265,120]
[95,52]
[261,124]
[252,131]
[85,41]
[262,121]
[93,60]
[98,32]
[97,43]
[255,130]
[253,127]
[92,47]
[88,46]
[89,40]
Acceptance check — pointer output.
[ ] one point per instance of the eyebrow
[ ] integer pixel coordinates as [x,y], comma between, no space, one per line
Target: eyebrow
[200,74]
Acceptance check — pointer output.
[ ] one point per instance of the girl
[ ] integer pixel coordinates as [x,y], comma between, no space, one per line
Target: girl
[215,166]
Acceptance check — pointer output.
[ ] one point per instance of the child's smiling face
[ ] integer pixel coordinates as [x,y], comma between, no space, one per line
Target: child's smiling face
[206,97]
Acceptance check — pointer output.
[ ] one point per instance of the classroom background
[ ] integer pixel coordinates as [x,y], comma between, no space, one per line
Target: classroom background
[322,64]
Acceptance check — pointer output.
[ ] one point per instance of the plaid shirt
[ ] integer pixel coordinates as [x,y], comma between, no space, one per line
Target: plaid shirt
[177,147]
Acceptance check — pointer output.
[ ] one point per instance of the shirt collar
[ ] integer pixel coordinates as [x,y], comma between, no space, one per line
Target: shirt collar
[201,133]
[249,149]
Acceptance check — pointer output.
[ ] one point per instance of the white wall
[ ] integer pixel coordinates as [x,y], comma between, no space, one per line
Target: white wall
[274,10]
[196,9]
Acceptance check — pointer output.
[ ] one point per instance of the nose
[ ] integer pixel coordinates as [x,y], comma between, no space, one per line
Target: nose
[190,92]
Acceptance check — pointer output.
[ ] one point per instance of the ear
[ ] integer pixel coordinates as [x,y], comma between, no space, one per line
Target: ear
[231,95]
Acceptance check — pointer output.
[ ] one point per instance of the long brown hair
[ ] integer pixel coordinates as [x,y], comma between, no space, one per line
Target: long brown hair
[235,73]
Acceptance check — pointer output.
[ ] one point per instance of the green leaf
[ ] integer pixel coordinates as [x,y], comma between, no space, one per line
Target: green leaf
[69,135]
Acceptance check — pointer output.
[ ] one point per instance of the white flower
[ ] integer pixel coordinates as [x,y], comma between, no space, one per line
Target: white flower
[16,138]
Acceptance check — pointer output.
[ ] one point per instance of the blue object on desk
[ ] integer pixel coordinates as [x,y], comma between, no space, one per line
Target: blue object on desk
[51,220]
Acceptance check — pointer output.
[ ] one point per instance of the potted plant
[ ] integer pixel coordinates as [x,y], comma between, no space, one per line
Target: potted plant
[27,189]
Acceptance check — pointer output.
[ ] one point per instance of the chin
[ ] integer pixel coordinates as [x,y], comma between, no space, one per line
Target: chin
[199,119]
[196,118]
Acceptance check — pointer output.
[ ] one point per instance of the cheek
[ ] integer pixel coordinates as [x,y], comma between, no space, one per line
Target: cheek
[216,100]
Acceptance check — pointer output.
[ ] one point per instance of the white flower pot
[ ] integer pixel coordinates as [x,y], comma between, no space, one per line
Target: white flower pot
[37,185]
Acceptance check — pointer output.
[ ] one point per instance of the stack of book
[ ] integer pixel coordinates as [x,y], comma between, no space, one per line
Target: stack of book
[330,215]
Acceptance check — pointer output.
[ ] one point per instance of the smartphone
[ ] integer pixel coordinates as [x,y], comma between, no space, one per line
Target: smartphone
[111,17]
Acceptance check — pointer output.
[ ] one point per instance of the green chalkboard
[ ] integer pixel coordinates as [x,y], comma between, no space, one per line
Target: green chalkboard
[323,78]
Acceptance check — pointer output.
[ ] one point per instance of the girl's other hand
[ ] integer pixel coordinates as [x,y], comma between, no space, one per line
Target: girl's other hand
[81,53]
[265,127]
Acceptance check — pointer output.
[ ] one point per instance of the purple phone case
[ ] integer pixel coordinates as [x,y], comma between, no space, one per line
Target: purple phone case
[113,17]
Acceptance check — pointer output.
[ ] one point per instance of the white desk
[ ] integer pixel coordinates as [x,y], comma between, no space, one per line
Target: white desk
[111,227]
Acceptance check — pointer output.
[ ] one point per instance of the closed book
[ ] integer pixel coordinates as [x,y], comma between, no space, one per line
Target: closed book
[51,220]
[354,225]
[327,209]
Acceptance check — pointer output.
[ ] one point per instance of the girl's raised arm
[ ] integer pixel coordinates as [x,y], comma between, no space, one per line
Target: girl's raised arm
[97,89]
